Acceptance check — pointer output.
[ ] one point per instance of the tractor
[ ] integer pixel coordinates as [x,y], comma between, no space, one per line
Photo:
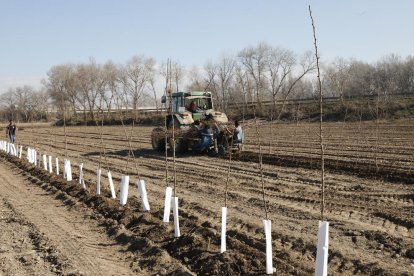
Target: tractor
[188,109]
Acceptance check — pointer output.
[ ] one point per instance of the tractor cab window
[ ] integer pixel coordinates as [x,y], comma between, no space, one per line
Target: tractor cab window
[203,103]
[177,102]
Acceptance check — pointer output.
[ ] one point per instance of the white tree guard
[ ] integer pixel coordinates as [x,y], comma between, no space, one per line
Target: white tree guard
[44,162]
[223,229]
[176,217]
[50,164]
[167,204]
[68,169]
[29,155]
[322,250]
[98,181]
[111,185]
[20,152]
[144,197]
[57,166]
[81,179]
[269,255]
[123,197]
[13,150]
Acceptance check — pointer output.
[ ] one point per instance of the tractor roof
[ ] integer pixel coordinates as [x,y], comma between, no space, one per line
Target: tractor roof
[194,94]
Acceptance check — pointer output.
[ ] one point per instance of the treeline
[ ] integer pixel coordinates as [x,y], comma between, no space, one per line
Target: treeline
[256,74]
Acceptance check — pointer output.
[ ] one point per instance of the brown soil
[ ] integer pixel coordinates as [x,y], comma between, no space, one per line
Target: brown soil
[369,204]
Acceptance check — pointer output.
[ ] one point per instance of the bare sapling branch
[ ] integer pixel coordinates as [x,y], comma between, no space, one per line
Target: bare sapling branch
[321,141]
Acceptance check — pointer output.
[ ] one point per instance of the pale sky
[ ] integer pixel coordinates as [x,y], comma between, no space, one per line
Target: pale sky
[37,34]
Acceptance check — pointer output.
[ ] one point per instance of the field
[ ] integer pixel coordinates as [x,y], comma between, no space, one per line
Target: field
[369,203]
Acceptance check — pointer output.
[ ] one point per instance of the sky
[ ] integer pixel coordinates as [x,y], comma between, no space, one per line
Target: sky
[38,34]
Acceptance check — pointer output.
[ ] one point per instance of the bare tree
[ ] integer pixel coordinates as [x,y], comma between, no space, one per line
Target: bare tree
[196,82]
[210,76]
[111,75]
[254,60]
[62,87]
[135,77]
[178,73]
[8,101]
[91,85]
[337,77]
[225,72]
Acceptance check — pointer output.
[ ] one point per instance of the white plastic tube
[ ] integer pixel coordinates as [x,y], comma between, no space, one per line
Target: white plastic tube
[223,229]
[35,157]
[29,155]
[65,166]
[20,152]
[45,162]
[144,197]
[167,204]
[50,164]
[68,171]
[57,166]
[98,181]
[111,185]
[124,190]
[13,150]
[268,233]
[81,179]
[176,218]
[322,249]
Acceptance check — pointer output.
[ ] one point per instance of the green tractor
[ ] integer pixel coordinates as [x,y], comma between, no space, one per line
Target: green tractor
[187,109]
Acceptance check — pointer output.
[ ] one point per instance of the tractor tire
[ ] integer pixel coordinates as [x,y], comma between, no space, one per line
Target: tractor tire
[158,143]
[181,145]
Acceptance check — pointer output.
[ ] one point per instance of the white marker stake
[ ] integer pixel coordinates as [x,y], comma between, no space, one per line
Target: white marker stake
[35,157]
[57,166]
[223,229]
[13,150]
[81,180]
[65,166]
[98,184]
[322,250]
[29,155]
[45,162]
[20,152]
[167,204]
[144,196]
[68,171]
[176,218]
[124,189]
[268,233]
[111,185]
[50,164]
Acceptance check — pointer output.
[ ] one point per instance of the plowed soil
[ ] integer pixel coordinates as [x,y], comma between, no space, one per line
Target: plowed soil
[369,204]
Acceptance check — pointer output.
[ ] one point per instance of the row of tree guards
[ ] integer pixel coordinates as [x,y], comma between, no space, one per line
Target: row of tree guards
[171,201]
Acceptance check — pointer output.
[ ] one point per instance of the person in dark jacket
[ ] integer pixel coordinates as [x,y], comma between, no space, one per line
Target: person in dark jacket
[207,134]
[11,131]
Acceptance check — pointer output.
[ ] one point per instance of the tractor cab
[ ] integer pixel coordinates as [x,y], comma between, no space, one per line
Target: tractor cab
[188,107]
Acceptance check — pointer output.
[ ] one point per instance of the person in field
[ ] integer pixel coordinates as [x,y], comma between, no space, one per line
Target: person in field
[207,134]
[11,131]
[238,133]
[193,107]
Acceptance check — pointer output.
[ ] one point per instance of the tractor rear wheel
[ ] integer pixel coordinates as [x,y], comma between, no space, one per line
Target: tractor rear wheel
[181,145]
[157,141]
